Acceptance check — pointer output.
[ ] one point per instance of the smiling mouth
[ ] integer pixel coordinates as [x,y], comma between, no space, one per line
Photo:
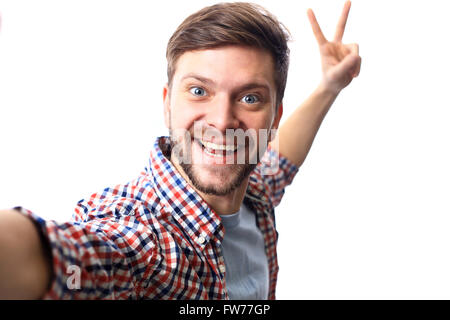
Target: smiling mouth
[217,150]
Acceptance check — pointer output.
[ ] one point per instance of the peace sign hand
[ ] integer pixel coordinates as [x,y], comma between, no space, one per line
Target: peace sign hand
[340,62]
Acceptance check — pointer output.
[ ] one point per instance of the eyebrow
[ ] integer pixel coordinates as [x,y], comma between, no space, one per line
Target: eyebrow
[247,86]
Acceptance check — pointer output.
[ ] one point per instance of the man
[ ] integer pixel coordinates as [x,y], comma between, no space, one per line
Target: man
[199,222]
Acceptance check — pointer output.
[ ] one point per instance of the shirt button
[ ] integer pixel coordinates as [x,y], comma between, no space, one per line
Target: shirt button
[201,240]
[222,268]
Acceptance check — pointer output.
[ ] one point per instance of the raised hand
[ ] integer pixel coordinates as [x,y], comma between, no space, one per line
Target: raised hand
[340,62]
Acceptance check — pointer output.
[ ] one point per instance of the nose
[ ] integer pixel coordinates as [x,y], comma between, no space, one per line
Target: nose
[222,114]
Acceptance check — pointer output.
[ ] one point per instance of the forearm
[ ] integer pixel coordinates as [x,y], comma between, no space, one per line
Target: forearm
[296,135]
[25,269]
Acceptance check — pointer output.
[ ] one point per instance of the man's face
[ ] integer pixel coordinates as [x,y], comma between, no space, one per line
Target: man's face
[219,110]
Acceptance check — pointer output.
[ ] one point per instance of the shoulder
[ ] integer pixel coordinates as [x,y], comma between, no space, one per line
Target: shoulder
[272,174]
[135,198]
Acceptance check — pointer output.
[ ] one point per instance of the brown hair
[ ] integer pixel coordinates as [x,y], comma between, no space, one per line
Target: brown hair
[237,23]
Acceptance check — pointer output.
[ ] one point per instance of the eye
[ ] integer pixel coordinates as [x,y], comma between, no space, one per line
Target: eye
[197,91]
[250,99]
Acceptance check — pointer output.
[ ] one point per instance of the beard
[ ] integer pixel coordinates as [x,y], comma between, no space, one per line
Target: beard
[231,179]
[230,176]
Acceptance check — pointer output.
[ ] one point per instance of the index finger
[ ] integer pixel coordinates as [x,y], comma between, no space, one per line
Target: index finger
[342,22]
[316,28]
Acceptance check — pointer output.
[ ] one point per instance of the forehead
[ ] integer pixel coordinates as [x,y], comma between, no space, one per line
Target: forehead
[227,65]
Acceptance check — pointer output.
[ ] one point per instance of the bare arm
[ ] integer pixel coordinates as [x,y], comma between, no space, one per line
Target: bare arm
[340,64]
[25,269]
[297,133]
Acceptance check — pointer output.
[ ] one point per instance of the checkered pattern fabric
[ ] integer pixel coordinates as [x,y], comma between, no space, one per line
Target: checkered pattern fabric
[155,237]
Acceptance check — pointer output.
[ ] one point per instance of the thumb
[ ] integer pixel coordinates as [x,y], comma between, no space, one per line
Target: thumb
[346,67]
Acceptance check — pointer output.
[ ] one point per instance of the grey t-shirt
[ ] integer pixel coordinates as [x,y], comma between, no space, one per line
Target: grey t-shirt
[247,270]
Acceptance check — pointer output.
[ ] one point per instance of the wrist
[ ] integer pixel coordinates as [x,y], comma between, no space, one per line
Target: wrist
[327,89]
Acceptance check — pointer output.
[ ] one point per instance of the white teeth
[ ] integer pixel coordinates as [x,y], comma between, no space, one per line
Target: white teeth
[220,147]
[213,154]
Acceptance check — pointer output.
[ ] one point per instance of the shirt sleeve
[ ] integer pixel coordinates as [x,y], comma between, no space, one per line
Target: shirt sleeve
[277,172]
[106,257]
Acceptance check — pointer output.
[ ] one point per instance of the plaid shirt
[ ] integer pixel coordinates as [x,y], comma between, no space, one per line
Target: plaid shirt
[155,237]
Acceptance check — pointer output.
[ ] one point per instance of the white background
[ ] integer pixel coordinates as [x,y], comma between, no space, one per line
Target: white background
[368,214]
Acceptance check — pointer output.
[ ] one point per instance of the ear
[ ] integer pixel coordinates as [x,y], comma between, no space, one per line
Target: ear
[276,121]
[166,102]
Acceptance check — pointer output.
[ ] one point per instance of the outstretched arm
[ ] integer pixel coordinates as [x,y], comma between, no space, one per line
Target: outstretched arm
[25,266]
[340,64]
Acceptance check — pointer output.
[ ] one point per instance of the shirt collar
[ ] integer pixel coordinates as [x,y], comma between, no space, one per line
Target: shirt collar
[186,205]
